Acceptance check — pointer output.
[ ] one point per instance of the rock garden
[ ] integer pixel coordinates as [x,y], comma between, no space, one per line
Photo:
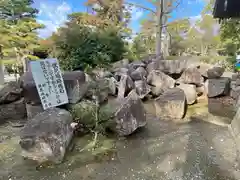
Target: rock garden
[116,105]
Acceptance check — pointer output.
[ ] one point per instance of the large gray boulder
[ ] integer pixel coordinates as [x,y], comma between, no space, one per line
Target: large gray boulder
[142,88]
[235,76]
[120,64]
[210,71]
[10,92]
[136,64]
[191,76]
[190,92]
[98,90]
[139,74]
[217,87]
[75,84]
[235,92]
[33,110]
[121,71]
[128,115]
[47,136]
[215,72]
[160,80]
[171,105]
[13,112]
[126,84]
[112,84]
[170,66]
[29,89]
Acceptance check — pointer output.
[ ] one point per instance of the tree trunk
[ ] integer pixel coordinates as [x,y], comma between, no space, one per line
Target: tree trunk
[1,73]
[25,63]
[159,29]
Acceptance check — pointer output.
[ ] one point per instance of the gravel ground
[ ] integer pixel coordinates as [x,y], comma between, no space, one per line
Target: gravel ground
[161,151]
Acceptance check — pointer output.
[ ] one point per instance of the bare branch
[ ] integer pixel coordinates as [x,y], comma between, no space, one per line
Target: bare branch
[141,7]
[101,2]
[175,7]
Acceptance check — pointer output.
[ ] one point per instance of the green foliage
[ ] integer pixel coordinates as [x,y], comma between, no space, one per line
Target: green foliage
[230,35]
[142,45]
[80,46]
[18,36]
[17,9]
[85,113]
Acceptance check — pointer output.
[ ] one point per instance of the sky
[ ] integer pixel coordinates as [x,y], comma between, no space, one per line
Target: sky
[53,13]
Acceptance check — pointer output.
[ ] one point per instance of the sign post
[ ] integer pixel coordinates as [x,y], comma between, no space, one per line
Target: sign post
[49,82]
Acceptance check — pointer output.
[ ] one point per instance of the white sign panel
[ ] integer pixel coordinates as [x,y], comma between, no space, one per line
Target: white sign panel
[49,82]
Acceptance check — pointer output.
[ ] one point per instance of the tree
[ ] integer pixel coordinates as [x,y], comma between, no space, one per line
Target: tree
[230,35]
[177,30]
[158,18]
[18,35]
[80,47]
[142,45]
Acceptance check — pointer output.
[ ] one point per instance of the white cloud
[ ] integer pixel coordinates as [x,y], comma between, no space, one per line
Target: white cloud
[52,16]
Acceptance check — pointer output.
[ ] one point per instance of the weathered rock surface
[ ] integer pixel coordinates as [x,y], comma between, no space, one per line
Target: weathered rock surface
[235,76]
[75,85]
[120,64]
[190,92]
[129,115]
[13,111]
[29,89]
[235,92]
[160,80]
[33,110]
[215,72]
[171,105]
[10,92]
[112,82]
[191,76]
[228,74]
[142,88]
[121,71]
[139,74]
[156,91]
[203,68]
[47,136]
[235,126]
[217,87]
[98,89]
[169,66]
[136,64]
[126,84]
[206,84]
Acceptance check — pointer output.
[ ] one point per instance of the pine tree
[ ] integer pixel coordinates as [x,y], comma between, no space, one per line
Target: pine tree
[18,35]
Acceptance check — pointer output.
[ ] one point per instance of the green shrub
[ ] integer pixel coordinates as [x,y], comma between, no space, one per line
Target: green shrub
[85,111]
[78,46]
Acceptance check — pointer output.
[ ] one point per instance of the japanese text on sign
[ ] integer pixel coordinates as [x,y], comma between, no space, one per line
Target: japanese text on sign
[49,82]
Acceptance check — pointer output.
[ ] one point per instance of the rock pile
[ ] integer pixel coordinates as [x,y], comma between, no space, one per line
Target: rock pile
[173,84]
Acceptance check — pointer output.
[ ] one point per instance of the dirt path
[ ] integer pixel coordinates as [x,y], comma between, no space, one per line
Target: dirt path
[161,151]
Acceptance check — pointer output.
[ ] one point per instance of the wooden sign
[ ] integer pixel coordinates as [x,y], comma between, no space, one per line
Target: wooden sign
[49,82]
